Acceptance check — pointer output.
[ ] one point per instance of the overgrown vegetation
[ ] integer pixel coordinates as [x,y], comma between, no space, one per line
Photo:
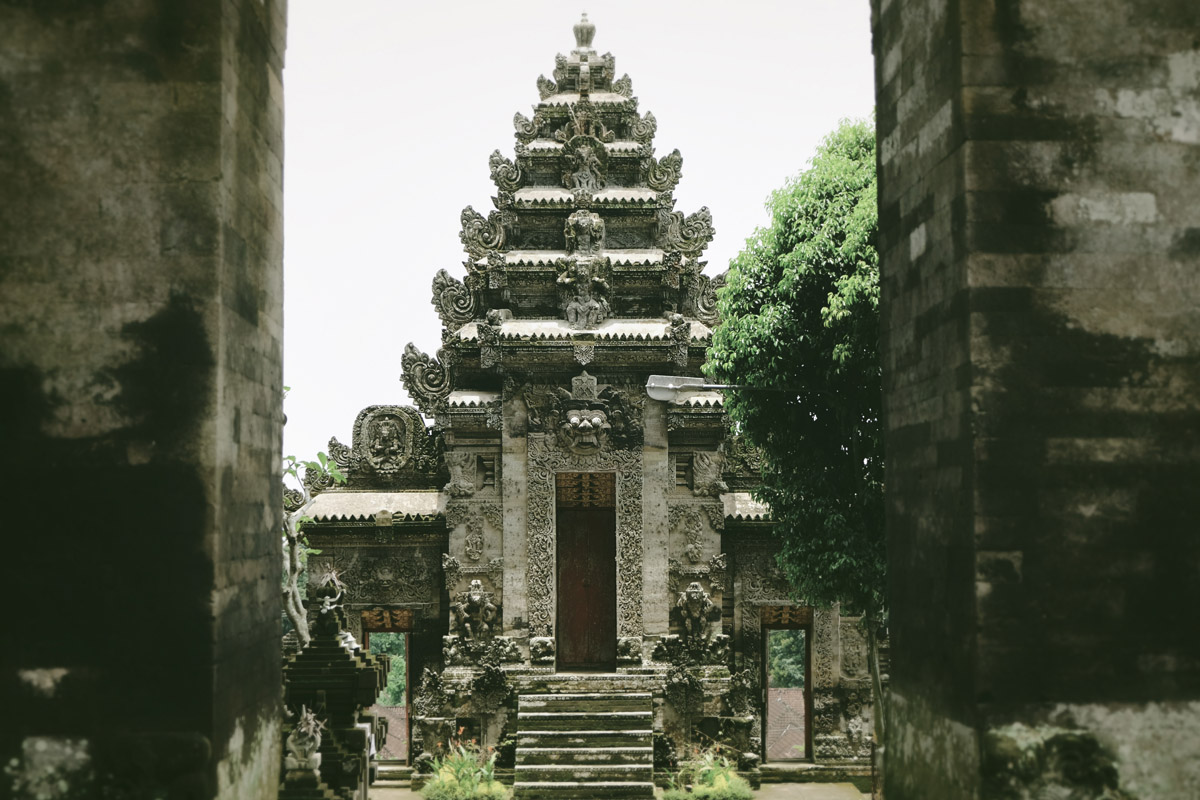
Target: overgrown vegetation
[465,772]
[786,659]
[709,777]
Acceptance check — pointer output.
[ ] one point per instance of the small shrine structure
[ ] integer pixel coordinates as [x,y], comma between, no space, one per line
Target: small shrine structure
[557,542]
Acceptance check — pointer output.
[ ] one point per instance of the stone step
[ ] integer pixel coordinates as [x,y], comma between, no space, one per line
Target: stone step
[585,755]
[586,702]
[587,790]
[580,720]
[580,773]
[555,739]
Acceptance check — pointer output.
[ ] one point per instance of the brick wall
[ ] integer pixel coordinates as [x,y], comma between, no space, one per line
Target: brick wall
[140,292]
[1038,172]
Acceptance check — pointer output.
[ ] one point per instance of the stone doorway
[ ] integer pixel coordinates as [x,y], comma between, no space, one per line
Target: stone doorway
[389,632]
[787,683]
[586,566]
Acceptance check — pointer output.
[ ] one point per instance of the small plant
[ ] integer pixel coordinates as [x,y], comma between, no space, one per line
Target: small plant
[710,777]
[465,773]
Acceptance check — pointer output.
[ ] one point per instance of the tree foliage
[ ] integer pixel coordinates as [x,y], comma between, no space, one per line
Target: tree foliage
[786,659]
[392,644]
[800,318]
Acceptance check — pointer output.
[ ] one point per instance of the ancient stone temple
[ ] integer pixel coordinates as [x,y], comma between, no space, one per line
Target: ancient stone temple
[579,567]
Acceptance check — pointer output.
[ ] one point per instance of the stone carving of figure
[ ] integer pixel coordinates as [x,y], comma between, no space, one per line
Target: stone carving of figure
[386,444]
[474,613]
[694,606]
[586,310]
[585,170]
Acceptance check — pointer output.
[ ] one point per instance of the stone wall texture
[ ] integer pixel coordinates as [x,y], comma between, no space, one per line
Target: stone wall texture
[141,303]
[1040,238]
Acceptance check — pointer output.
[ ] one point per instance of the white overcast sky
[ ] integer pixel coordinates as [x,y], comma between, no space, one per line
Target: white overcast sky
[393,107]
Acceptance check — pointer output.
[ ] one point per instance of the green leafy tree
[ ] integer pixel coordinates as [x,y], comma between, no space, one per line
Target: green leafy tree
[392,644]
[786,658]
[800,330]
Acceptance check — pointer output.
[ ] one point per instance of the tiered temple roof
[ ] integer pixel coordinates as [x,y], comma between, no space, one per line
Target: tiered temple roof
[584,262]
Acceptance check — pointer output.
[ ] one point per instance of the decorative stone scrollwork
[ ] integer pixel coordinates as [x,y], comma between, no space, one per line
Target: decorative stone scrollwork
[425,378]
[528,129]
[546,87]
[473,613]
[681,336]
[316,481]
[716,515]
[744,457]
[663,175]
[451,570]
[701,298]
[644,129]
[685,520]
[690,236]
[584,353]
[763,582]
[706,473]
[293,499]
[541,649]
[623,86]
[480,236]
[505,174]
[495,415]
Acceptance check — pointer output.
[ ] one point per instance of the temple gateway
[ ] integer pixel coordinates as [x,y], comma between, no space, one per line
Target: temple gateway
[580,570]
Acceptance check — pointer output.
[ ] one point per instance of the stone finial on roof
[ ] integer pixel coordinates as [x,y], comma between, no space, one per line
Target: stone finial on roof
[584,32]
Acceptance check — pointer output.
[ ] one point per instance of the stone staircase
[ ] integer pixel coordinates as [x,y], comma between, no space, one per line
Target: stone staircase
[593,745]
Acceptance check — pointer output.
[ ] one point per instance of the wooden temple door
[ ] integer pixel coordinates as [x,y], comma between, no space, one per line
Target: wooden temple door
[586,514]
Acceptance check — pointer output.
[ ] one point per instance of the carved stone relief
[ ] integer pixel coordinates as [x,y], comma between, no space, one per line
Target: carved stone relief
[474,613]
[685,521]
[706,473]
[379,576]
[546,457]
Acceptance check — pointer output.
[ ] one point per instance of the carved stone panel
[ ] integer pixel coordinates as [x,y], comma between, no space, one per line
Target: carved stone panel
[545,459]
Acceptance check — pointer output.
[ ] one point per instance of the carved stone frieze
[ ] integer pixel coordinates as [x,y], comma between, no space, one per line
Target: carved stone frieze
[584,353]
[688,235]
[426,379]
[762,581]
[381,576]
[546,458]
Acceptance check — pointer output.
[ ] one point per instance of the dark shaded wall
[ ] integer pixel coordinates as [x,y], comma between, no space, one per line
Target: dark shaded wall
[141,305]
[1040,250]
